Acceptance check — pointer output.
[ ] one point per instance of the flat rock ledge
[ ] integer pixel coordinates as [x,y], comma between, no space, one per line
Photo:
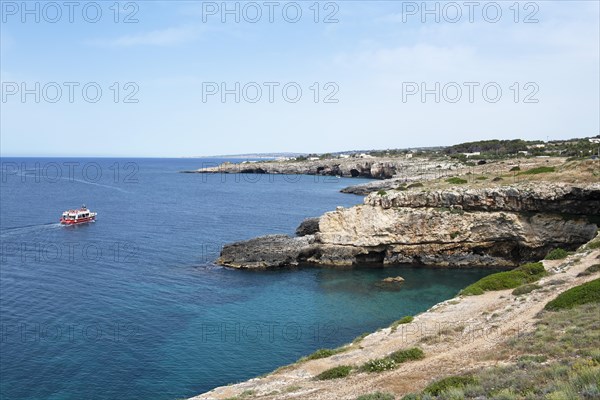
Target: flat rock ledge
[497,227]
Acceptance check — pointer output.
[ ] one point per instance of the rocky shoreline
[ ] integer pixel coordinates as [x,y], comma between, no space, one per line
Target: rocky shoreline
[373,168]
[490,227]
[460,335]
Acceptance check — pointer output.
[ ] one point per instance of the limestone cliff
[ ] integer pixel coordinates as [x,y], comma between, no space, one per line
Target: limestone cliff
[379,168]
[486,227]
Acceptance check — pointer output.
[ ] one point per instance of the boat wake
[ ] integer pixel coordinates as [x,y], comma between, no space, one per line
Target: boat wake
[86,183]
[16,230]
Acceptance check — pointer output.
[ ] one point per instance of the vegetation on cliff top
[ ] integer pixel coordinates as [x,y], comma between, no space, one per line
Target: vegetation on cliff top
[340,371]
[376,396]
[456,181]
[526,273]
[404,320]
[393,360]
[538,170]
[587,293]
[557,254]
[558,360]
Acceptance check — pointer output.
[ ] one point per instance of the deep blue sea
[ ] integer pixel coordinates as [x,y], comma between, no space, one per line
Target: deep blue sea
[132,306]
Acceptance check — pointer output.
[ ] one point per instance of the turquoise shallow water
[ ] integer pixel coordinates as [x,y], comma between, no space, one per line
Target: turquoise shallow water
[132,307]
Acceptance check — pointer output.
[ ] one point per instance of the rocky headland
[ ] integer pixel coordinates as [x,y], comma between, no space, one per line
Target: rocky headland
[459,227]
[374,168]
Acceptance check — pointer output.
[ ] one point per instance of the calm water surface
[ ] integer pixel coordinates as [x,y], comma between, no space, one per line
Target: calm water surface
[131,307]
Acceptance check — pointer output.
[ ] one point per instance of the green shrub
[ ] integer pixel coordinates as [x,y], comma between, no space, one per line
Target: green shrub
[404,320]
[456,181]
[587,293]
[590,270]
[526,273]
[524,289]
[390,362]
[442,385]
[376,396]
[557,254]
[321,353]
[340,371]
[481,178]
[360,338]
[244,395]
[378,365]
[514,169]
[381,193]
[594,245]
[411,354]
[538,170]
[415,185]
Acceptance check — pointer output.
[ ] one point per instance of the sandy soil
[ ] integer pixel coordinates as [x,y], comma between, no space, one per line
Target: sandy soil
[457,335]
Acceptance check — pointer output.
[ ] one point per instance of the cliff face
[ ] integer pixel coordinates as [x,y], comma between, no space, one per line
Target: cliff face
[546,198]
[438,237]
[487,227]
[380,168]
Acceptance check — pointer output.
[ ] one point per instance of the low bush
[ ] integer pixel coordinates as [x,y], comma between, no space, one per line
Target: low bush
[526,273]
[376,396]
[587,293]
[524,289]
[340,371]
[321,353]
[381,193]
[378,365]
[393,360]
[442,385]
[360,338]
[538,170]
[557,254]
[593,245]
[515,169]
[411,354]
[415,185]
[404,320]
[456,181]
[590,270]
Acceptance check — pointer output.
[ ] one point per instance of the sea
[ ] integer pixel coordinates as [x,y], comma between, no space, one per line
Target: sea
[133,306]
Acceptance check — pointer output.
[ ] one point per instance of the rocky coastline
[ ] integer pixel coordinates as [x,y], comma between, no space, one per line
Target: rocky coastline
[373,168]
[489,227]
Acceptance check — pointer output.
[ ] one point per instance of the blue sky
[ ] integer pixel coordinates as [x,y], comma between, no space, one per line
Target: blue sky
[369,59]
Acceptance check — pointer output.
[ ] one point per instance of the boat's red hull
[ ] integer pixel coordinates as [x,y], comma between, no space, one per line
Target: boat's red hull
[77,222]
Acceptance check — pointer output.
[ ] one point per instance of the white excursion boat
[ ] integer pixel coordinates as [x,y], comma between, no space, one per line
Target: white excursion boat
[80,216]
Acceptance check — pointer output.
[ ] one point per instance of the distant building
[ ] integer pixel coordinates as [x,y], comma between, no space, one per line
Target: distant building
[313,158]
[595,140]
[344,156]
[409,155]
[523,152]
[477,153]
[363,155]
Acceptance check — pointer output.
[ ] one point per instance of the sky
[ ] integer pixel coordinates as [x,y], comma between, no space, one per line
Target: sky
[192,78]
